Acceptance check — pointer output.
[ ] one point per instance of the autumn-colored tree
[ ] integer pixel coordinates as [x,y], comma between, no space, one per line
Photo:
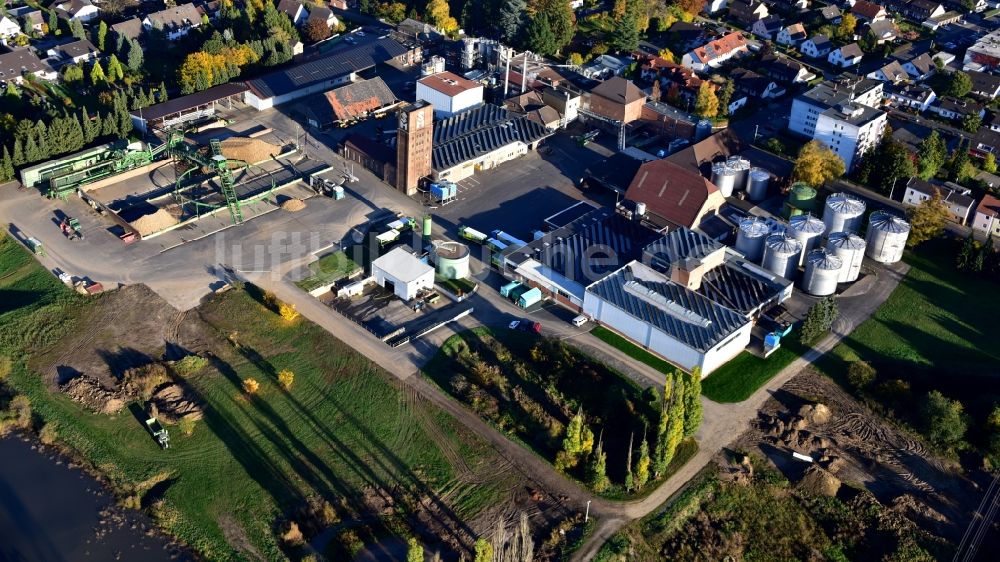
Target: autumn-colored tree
[438,14]
[115,71]
[392,12]
[315,30]
[597,470]
[287,311]
[97,74]
[286,378]
[642,465]
[927,219]
[484,551]
[414,550]
[691,7]
[706,103]
[817,164]
[629,477]
[848,24]
[667,55]
[579,441]
[693,412]
[251,386]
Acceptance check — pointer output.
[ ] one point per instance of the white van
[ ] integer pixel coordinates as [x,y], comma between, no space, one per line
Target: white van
[580,320]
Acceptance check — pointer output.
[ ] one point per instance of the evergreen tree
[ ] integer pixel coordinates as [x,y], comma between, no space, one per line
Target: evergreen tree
[693,413]
[124,123]
[625,36]
[134,57]
[102,35]
[109,125]
[661,456]
[163,92]
[7,174]
[53,22]
[964,259]
[115,71]
[642,465]
[725,95]
[819,319]
[561,21]
[31,152]
[597,471]
[629,478]
[11,92]
[91,126]
[75,139]
[539,37]
[18,159]
[76,28]
[931,155]
[510,19]
[42,140]
[97,76]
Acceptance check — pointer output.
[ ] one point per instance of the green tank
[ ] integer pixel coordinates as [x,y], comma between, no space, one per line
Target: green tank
[801,199]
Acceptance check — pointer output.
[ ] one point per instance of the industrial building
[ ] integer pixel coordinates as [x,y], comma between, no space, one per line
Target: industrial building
[449,93]
[348,103]
[690,300]
[673,194]
[402,273]
[186,109]
[617,99]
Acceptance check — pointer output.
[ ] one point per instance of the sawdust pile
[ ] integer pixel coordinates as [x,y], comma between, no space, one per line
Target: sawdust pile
[154,222]
[94,396]
[248,150]
[818,481]
[174,404]
[293,205]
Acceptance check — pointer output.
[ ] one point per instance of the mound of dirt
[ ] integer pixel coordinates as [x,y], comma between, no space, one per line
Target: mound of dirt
[155,222]
[818,481]
[815,413]
[248,150]
[174,404]
[94,396]
[293,205]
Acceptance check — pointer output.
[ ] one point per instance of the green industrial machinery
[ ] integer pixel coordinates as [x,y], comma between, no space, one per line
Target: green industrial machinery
[187,192]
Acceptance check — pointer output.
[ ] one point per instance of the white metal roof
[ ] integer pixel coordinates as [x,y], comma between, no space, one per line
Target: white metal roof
[402,265]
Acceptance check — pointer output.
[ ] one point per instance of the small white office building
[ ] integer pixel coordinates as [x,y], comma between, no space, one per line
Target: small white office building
[403,273]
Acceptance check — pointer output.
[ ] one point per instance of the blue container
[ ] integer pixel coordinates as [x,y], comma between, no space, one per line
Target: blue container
[772,340]
[438,191]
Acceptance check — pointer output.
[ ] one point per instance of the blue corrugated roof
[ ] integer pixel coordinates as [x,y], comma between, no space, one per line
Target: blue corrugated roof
[681,313]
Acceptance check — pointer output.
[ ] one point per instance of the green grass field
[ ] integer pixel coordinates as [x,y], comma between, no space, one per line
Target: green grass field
[744,374]
[327,269]
[630,349]
[343,429]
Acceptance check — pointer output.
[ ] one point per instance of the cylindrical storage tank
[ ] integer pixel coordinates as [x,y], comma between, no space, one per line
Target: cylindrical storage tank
[428,225]
[850,248]
[742,169]
[886,237]
[640,209]
[452,260]
[781,255]
[808,230]
[757,186]
[724,177]
[822,272]
[801,199]
[843,213]
[750,238]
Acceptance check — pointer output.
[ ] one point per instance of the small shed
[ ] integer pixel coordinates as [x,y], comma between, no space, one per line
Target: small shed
[403,273]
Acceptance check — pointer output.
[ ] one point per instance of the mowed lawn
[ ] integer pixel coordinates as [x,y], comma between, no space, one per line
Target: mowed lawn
[341,430]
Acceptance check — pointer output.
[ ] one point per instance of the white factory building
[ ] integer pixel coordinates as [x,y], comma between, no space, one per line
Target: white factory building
[404,274]
[449,93]
[841,115]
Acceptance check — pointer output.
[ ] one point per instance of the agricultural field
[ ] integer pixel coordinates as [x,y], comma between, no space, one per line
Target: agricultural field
[933,333]
[341,444]
[534,389]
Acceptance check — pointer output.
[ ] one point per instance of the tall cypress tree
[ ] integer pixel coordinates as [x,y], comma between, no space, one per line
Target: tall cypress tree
[660,456]
[693,413]
[42,142]
[629,477]
[18,158]
[7,174]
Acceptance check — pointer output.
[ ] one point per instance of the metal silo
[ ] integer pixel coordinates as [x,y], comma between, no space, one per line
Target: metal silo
[807,229]
[781,255]
[886,237]
[742,169]
[750,238]
[801,199]
[758,184]
[850,248]
[822,272]
[724,177]
[843,213]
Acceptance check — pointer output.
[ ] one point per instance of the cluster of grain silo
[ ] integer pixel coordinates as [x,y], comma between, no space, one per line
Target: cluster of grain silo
[843,213]
[731,175]
[808,230]
[886,237]
[850,248]
[781,255]
[750,237]
[760,180]
[822,273]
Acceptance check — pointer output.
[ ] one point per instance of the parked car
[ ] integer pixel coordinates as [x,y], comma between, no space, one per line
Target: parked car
[580,320]
[526,325]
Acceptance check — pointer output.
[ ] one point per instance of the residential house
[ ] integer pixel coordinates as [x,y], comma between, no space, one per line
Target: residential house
[34,18]
[986,223]
[994,122]
[955,197]
[868,11]
[944,19]
[913,96]
[753,85]
[816,46]
[848,55]
[76,10]
[944,57]
[323,14]
[746,12]
[786,70]
[892,72]
[75,52]
[675,80]
[842,115]
[985,141]
[9,28]
[339,4]
[883,30]
[618,99]
[174,22]
[686,36]
[294,10]
[984,55]
[714,53]
[713,6]
[920,67]
[128,30]
[917,10]
[829,14]
[984,85]
[767,28]
[951,108]
[20,62]
[792,35]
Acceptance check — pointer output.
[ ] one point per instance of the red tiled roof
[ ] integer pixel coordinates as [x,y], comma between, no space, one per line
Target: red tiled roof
[449,83]
[866,9]
[723,45]
[670,191]
[989,206]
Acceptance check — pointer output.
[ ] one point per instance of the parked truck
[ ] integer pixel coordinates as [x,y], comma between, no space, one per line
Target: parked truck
[508,239]
[472,234]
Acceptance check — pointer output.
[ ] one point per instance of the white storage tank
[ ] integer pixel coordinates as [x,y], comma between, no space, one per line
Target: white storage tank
[750,238]
[742,169]
[843,213]
[724,177]
[760,180]
[822,272]
[640,209]
[886,237]
[781,255]
[808,230]
[452,260]
[850,248]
